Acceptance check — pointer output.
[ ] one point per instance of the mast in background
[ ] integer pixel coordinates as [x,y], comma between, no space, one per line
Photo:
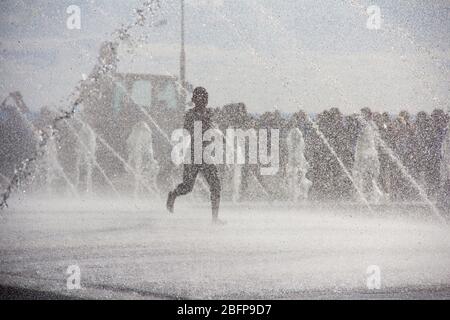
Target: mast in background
[183,58]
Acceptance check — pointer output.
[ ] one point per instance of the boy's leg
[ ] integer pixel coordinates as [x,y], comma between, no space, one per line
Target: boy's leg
[189,175]
[211,175]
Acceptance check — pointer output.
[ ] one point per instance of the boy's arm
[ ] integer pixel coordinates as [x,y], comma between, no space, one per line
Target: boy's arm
[211,119]
[186,121]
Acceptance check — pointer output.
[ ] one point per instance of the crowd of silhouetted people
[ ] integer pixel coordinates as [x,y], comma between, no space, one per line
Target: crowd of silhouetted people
[411,149]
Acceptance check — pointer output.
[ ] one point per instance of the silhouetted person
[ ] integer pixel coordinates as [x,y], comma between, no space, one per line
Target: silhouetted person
[444,194]
[439,122]
[17,137]
[190,171]
[423,141]
[387,166]
[327,175]
[403,147]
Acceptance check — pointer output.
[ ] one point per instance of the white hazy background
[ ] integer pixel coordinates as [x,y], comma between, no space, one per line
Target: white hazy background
[261,52]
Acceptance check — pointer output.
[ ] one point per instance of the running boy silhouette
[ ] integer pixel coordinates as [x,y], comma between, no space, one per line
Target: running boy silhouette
[190,171]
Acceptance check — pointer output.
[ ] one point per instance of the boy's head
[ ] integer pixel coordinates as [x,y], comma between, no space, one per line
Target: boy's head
[200,97]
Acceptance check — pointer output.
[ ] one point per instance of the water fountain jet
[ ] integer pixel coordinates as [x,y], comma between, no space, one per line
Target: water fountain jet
[297,166]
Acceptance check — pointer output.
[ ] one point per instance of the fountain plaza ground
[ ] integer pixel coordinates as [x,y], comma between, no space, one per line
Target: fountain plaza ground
[135,249]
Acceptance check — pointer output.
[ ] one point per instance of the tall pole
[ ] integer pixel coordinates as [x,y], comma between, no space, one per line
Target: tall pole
[183,58]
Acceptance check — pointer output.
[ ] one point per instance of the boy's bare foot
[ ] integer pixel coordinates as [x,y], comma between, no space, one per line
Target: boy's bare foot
[218,222]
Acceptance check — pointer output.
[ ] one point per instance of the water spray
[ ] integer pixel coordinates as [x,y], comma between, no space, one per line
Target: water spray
[23,171]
